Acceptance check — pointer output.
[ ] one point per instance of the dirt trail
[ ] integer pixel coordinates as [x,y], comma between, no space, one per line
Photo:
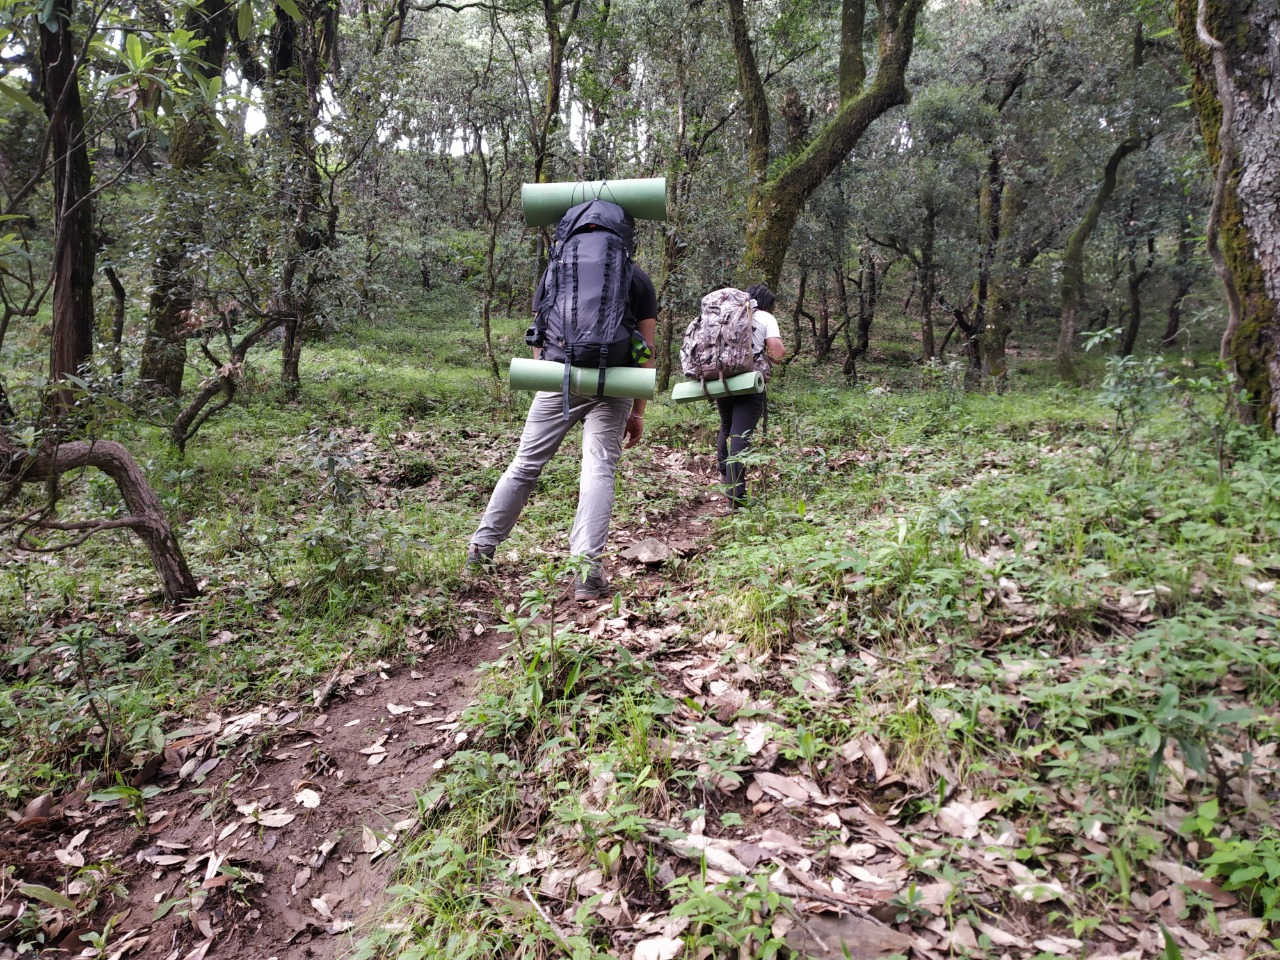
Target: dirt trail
[276,830]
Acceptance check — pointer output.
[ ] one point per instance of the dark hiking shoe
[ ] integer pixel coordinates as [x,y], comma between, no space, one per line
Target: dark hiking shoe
[478,560]
[593,587]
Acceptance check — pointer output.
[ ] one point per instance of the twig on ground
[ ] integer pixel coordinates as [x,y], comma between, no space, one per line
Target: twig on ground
[546,918]
[325,692]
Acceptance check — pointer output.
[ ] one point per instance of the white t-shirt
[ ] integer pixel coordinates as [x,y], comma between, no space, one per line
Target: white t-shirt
[763,326]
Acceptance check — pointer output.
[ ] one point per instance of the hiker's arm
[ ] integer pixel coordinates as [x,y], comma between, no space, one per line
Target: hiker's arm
[773,346]
[635,421]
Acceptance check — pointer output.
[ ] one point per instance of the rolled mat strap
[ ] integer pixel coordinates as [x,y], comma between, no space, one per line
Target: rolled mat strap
[743,383]
[638,383]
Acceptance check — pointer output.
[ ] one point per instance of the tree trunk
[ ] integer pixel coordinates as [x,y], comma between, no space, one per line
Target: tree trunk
[1071,289]
[797,329]
[225,380]
[146,514]
[73,249]
[1184,279]
[1135,280]
[191,144]
[928,281]
[558,35]
[1234,62]
[117,321]
[1005,280]
[774,203]
[301,52]
[868,295]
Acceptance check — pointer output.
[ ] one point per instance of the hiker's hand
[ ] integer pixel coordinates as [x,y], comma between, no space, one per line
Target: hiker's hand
[634,431]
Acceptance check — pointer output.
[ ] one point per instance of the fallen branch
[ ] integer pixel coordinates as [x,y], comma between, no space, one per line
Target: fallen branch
[325,692]
[146,516]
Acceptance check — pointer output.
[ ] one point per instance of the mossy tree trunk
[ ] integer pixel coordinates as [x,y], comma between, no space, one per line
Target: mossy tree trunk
[1228,45]
[1007,275]
[776,198]
[191,144]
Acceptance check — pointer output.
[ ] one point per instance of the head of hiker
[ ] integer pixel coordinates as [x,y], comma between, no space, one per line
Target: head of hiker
[595,312]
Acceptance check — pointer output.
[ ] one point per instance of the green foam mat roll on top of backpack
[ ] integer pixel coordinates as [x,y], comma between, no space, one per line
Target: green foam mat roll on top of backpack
[638,383]
[643,198]
[751,382]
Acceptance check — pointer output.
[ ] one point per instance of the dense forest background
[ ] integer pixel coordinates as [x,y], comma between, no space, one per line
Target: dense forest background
[989,669]
[215,174]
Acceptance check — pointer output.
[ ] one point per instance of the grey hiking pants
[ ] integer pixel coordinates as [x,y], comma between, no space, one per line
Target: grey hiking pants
[604,421]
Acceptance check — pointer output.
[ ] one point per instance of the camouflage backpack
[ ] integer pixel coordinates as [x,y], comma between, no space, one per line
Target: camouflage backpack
[718,343]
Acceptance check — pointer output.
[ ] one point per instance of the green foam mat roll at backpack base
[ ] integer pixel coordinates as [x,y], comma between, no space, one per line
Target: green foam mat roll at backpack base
[691,390]
[545,203]
[638,383]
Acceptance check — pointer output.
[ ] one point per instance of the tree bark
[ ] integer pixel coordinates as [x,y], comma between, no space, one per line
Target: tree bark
[73,248]
[191,145]
[868,297]
[558,35]
[1134,285]
[928,280]
[117,321]
[1071,288]
[1006,276]
[301,53]
[146,515]
[1234,61]
[224,380]
[1184,279]
[775,202]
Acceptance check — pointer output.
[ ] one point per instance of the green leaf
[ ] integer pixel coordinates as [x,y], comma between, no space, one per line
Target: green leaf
[1245,875]
[244,19]
[120,792]
[1171,949]
[133,50]
[20,98]
[53,897]
[291,8]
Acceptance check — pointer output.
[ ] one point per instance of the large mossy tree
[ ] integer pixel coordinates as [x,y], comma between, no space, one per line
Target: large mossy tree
[778,191]
[1229,45]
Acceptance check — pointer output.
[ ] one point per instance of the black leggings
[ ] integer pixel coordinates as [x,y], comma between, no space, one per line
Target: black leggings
[738,419]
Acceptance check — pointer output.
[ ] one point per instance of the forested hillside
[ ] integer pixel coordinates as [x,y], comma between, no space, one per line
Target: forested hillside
[986,665]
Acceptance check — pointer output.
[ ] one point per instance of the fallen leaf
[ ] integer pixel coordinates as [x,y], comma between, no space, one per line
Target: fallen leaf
[275,818]
[787,788]
[657,948]
[960,819]
[396,709]
[308,798]
[1001,938]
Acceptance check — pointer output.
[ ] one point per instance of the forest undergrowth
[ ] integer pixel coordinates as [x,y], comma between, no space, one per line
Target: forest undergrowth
[975,676]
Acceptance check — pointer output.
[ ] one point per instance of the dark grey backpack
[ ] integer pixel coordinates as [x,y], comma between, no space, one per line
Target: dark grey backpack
[582,314]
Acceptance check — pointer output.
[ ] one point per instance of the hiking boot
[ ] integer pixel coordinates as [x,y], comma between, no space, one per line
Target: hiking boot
[591,587]
[479,560]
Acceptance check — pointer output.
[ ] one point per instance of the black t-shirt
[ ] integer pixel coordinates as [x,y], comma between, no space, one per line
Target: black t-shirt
[642,298]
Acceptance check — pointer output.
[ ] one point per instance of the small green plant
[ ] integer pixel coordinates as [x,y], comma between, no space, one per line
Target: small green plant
[1251,868]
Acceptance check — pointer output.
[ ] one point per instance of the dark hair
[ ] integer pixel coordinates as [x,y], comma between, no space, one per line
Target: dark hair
[762,295]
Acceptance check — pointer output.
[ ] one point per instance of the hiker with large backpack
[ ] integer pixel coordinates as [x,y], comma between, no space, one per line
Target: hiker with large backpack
[594,308]
[735,333]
